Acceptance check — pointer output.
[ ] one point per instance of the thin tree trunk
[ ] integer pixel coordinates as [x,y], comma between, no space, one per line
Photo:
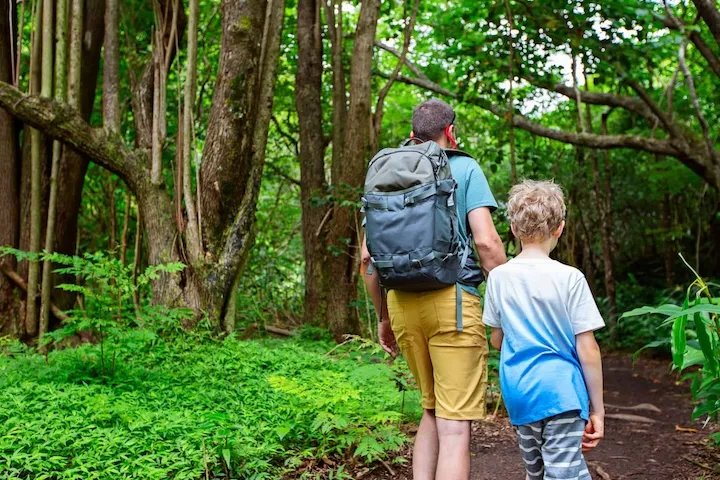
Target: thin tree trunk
[339,95]
[9,181]
[60,94]
[608,234]
[76,34]
[179,173]
[112,241]
[193,236]
[511,109]
[73,165]
[125,230]
[343,268]
[111,68]
[308,101]
[137,256]
[48,20]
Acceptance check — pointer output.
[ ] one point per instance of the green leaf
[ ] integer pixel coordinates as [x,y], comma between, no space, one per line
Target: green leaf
[706,344]
[702,308]
[669,309]
[679,337]
[226,456]
[655,344]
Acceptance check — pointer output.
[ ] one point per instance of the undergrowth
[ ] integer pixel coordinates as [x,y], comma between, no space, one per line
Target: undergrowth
[184,409]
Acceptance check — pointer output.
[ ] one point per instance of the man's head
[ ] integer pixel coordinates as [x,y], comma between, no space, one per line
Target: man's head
[537,211]
[435,120]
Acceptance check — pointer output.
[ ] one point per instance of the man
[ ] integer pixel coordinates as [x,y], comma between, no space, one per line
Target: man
[449,365]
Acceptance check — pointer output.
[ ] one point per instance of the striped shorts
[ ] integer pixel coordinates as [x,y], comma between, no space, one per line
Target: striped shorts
[551,448]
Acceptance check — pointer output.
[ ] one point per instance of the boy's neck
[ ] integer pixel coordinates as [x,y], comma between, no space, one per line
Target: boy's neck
[537,249]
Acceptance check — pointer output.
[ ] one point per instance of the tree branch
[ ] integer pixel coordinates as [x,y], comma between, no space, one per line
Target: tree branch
[65,124]
[637,142]
[380,104]
[675,23]
[413,68]
[696,104]
[708,10]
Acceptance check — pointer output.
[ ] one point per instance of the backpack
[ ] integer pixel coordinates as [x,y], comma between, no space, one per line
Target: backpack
[412,224]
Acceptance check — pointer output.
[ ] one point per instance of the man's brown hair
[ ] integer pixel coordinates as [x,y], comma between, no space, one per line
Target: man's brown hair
[430,119]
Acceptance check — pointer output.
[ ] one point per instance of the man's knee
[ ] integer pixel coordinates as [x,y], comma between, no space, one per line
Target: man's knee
[453,428]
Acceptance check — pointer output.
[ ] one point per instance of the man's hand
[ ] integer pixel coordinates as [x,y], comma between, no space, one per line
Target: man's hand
[594,432]
[387,338]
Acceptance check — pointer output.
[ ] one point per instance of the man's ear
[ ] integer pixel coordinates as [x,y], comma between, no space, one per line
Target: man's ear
[412,134]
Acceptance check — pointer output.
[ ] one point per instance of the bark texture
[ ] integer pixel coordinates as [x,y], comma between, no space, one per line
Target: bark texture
[239,126]
[308,102]
[9,181]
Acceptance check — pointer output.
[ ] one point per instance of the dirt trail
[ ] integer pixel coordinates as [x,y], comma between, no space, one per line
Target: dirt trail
[649,447]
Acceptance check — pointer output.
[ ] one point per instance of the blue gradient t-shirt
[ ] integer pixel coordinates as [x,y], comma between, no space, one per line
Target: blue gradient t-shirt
[541,305]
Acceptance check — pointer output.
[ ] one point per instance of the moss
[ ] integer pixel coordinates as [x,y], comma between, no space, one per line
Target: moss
[244,23]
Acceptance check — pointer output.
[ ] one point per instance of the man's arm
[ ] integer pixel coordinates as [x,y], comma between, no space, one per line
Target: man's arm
[487,241]
[372,282]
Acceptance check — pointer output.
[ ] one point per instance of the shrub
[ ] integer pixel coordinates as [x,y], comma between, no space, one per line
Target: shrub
[694,341]
[179,408]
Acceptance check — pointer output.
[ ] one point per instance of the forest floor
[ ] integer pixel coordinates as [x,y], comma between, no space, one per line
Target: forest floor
[649,433]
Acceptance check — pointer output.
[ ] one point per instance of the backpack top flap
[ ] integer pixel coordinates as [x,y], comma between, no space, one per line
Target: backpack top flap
[395,169]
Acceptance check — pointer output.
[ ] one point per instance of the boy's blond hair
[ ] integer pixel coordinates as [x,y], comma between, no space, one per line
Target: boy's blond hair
[536,209]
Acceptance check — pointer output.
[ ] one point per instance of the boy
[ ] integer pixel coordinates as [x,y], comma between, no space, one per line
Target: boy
[543,316]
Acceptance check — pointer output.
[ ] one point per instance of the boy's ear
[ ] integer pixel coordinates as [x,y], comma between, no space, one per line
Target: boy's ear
[512,229]
[559,230]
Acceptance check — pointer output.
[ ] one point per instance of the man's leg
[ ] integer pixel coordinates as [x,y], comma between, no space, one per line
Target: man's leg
[454,453]
[425,452]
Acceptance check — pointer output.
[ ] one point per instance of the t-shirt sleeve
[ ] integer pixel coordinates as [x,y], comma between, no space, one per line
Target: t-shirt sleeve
[491,316]
[477,191]
[584,313]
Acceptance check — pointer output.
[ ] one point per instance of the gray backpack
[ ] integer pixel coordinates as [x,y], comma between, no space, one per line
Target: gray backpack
[412,224]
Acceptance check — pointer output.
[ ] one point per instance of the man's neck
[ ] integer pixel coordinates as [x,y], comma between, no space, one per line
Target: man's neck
[443,142]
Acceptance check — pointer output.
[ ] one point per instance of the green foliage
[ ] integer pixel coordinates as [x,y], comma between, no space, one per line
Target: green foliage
[106,288]
[695,342]
[177,408]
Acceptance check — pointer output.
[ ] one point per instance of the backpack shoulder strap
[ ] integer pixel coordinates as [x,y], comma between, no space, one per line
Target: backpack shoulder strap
[451,152]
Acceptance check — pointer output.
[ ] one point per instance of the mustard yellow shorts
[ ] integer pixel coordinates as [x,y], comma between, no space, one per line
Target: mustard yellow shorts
[449,366]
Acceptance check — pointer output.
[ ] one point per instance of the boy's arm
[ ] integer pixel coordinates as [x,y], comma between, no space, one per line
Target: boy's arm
[496,338]
[591,361]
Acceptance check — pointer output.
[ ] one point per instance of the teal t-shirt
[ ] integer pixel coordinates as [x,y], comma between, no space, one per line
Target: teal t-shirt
[473,191]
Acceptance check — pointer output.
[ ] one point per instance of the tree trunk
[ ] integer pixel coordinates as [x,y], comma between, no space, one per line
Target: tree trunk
[9,179]
[192,235]
[111,68]
[36,188]
[59,95]
[308,101]
[234,159]
[342,235]
[73,165]
[339,97]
